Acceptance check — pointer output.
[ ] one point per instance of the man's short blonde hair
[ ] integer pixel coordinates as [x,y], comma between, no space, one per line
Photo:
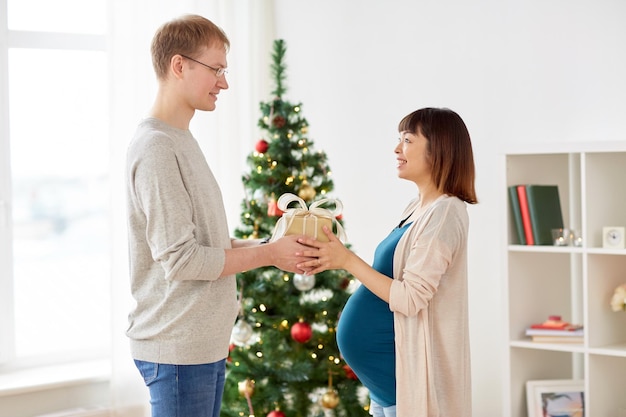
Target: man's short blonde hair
[185,35]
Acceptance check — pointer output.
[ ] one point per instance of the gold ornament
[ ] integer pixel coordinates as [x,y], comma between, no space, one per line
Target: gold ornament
[330,399]
[306,192]
[246,387]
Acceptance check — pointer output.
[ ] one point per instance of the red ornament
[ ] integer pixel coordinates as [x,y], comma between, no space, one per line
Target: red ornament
[279,121]
[231,347]
[344,283]
[349,372]
[272,208]
[261,146]
[276,413]
[301,332]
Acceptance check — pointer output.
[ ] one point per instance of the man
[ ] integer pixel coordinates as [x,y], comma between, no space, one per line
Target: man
[182,259]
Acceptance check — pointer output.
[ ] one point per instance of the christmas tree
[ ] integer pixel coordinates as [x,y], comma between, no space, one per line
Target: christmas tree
[284,359]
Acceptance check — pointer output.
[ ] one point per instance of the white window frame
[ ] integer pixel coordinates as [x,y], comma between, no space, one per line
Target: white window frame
[20,39]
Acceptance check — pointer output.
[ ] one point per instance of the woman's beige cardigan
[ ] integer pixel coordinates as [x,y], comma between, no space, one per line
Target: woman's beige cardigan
[429,300]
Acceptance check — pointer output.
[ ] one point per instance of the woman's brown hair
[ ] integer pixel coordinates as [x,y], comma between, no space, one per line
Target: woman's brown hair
[450,149]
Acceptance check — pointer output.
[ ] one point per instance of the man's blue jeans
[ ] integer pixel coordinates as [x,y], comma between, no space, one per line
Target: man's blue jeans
[184,390]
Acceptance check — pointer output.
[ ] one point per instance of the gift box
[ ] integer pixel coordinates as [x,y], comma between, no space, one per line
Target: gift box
[303,220]
[310,225]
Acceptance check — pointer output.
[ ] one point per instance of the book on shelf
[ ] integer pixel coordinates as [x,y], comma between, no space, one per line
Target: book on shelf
[536,211]
[565,335]
[555,322]
[525,212]
[544,206]
[555,332]
[558,339]
[517,214]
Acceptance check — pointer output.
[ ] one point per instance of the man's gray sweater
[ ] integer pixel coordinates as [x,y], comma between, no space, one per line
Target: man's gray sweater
[177,235]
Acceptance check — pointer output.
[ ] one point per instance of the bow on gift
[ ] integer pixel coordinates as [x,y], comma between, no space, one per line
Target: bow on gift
[301,219]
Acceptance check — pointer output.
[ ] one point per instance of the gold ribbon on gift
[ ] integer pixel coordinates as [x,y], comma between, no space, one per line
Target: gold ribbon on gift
[303,220]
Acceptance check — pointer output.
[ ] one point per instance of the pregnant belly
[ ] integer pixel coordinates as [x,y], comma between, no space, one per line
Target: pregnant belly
[365,330]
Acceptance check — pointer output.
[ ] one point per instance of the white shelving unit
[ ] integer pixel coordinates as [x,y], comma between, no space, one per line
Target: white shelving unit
[574,282]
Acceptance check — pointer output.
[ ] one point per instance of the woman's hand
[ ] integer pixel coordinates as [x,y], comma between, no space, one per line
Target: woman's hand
[329,255]
[334,255]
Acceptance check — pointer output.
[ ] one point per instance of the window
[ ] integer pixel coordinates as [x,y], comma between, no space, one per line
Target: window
[54,182]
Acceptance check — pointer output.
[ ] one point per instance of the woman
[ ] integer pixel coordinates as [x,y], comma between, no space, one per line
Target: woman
[405,330]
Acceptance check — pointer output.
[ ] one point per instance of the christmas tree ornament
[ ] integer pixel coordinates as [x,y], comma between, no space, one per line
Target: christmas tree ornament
[259,196]
[272,208]
[241,333]
[349,372]
[261,146]
[345,283]
[301,332]
[306,192]
[279,122]
[330,399]
[276,413]
[231,347]
[303,282]
[246,387]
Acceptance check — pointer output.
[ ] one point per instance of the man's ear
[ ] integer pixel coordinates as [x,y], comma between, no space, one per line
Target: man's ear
[176,66]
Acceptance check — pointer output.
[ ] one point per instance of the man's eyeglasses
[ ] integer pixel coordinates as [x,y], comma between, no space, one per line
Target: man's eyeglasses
[218,71]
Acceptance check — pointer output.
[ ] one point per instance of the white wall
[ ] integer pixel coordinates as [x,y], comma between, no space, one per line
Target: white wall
[531,71]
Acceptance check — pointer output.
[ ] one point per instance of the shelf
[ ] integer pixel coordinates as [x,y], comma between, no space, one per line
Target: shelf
[560,347]
[618,350]
[546,249]
[601,251]
[574,282]
[565,249]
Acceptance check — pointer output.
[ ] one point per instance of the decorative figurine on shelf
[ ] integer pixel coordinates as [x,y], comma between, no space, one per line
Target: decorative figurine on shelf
[618,302]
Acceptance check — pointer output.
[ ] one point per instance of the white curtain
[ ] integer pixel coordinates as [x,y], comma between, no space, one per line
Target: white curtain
[226,135]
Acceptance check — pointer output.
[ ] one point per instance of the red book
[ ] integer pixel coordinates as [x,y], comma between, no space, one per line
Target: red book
[523,205]
[555,323]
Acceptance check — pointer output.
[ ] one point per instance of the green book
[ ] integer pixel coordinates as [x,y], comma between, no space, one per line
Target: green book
[544,207]
[517,214]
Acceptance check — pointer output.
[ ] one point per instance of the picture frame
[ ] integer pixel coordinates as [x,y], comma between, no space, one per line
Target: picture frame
[555,398]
